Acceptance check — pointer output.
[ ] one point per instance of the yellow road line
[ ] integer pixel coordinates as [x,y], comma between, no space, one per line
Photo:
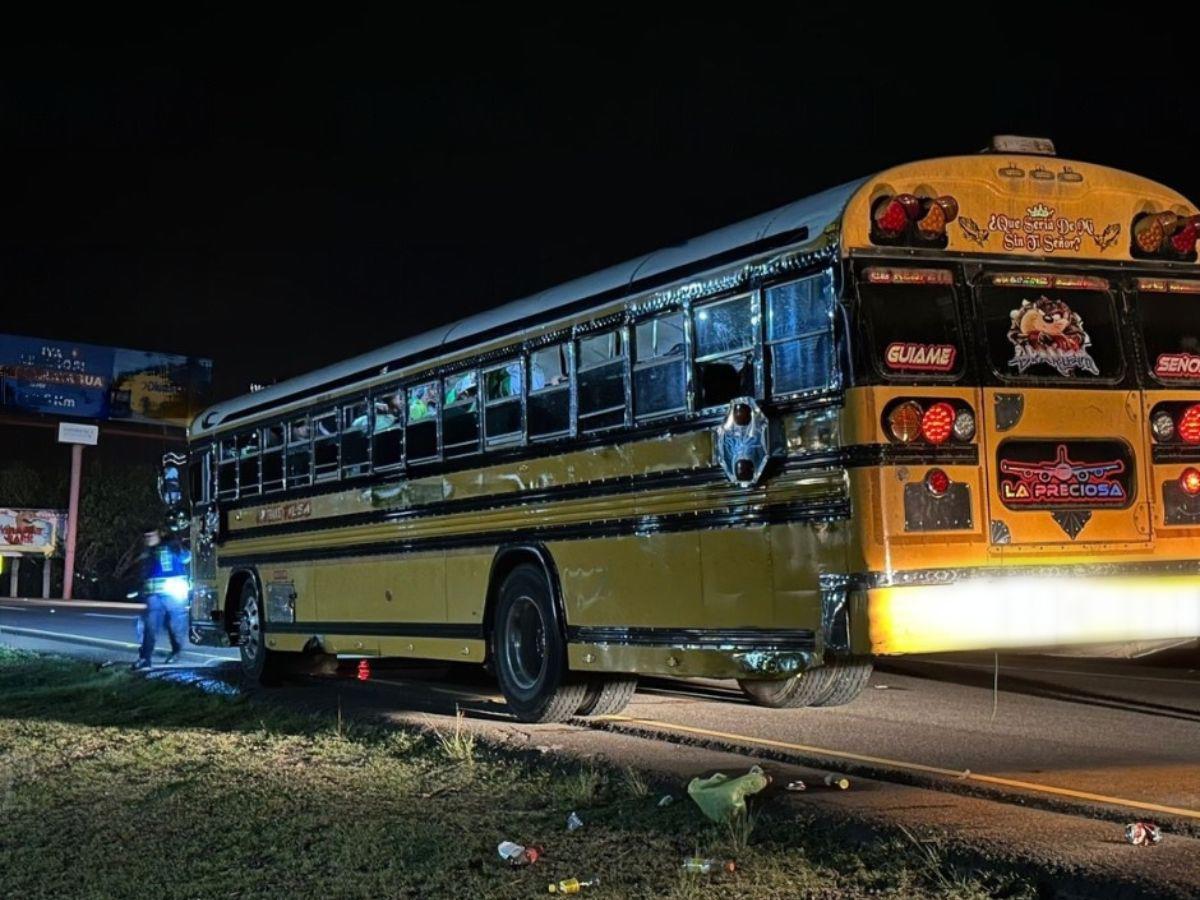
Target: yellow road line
[960,775]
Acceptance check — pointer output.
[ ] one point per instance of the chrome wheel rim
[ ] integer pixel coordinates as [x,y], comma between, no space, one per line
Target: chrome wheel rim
[525,643]
[250,630]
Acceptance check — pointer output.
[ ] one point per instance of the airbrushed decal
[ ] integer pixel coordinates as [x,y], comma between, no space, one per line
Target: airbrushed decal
[1177,365]
[1048,332]
[1027,482]
[913,357]
[286,512]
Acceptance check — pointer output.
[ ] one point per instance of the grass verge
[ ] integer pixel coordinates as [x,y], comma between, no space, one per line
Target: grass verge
[112,785]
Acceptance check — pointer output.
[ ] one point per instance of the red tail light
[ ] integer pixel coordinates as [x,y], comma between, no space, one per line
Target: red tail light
[938,482]
[938,423]
[1189,481]
[364,670]
[1189,425]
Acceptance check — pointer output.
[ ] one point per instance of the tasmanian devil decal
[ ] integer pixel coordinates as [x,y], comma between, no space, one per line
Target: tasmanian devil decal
[1048,332]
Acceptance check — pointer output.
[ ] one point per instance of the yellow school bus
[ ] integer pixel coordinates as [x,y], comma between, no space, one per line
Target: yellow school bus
[950,406]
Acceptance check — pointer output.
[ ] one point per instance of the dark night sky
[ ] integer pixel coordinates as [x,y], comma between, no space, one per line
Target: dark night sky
[278,196]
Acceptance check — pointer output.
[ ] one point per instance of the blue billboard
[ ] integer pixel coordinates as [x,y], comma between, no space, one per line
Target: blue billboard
[67,378]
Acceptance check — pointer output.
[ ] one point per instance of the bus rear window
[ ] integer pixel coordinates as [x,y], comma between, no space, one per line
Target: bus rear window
[1170,312]
[1058,327]
[912,321]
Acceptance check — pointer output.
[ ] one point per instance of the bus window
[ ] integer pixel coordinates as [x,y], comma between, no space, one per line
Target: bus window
[299,453]
[272,459]
[387,431]
[800,335]
[549,392]
[912,323]
[227,470]
[725,336]
[248,464]
[1055,327]
[503,418]
[325,445]
[601,379]
[1170,312]
[460,415]
[421,435]
[356,446]
[659,360]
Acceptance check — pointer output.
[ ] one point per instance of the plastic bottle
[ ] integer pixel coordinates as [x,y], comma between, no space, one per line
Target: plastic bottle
[572,885]
[700,866]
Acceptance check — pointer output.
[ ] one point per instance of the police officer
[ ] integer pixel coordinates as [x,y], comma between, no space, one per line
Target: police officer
[165,574]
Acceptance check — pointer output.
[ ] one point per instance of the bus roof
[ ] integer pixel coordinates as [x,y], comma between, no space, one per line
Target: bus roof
[793,223]
[1004,204]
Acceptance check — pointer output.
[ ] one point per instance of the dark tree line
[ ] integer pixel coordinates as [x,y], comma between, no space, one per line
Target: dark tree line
[117,504]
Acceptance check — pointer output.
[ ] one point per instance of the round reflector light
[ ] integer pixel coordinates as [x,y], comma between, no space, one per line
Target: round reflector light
[1189,481]
[904,421]
[938,422]
[938,482]
[1189,424]
[964,425]
[1162,426]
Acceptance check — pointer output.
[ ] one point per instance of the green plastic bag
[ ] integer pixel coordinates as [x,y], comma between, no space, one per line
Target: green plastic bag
[721,797]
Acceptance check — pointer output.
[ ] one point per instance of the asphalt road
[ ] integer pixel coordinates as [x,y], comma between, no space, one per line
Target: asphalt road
[1129,731]
[1078,741]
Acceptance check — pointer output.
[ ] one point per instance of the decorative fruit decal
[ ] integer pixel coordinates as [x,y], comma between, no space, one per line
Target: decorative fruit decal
[890,218]
[1184,240]
[934,223]
[1149,234]
[895,216]
[949,207]
[1165,234]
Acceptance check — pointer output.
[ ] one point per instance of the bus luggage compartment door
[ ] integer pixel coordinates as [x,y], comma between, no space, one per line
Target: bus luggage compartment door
[1063,468]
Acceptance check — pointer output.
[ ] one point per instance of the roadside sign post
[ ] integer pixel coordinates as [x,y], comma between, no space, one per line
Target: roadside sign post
[77,436]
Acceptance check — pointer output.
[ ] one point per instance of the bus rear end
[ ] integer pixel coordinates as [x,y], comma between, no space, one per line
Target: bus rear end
[1024,416]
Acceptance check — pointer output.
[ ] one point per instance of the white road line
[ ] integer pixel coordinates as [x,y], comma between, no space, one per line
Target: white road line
[15,608]
[87,639]
[1019,670]
[109,616]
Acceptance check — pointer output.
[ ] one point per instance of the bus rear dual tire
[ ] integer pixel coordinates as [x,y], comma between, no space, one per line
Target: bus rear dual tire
[530,657]
[836,683]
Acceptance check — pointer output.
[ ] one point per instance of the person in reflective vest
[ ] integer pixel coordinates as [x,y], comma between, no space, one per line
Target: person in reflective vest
[166,590]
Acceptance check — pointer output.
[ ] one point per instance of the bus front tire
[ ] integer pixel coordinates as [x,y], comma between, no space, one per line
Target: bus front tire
[529,650]
[607,695]
[259,664]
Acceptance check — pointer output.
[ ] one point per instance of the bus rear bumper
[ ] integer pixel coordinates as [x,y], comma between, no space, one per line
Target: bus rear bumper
[1030,612]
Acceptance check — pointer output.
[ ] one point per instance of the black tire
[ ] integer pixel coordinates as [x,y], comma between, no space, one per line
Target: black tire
[530,652]
[848,676]
[259,664]
[803,689]
[607,695]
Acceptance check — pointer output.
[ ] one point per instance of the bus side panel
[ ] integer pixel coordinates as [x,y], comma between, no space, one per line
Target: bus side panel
[761,577]
[409,588]
[801,552]
[467,573]
[641,581]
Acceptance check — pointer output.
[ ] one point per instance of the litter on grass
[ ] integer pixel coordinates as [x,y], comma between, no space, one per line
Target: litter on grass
[574,822]
[721,797]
